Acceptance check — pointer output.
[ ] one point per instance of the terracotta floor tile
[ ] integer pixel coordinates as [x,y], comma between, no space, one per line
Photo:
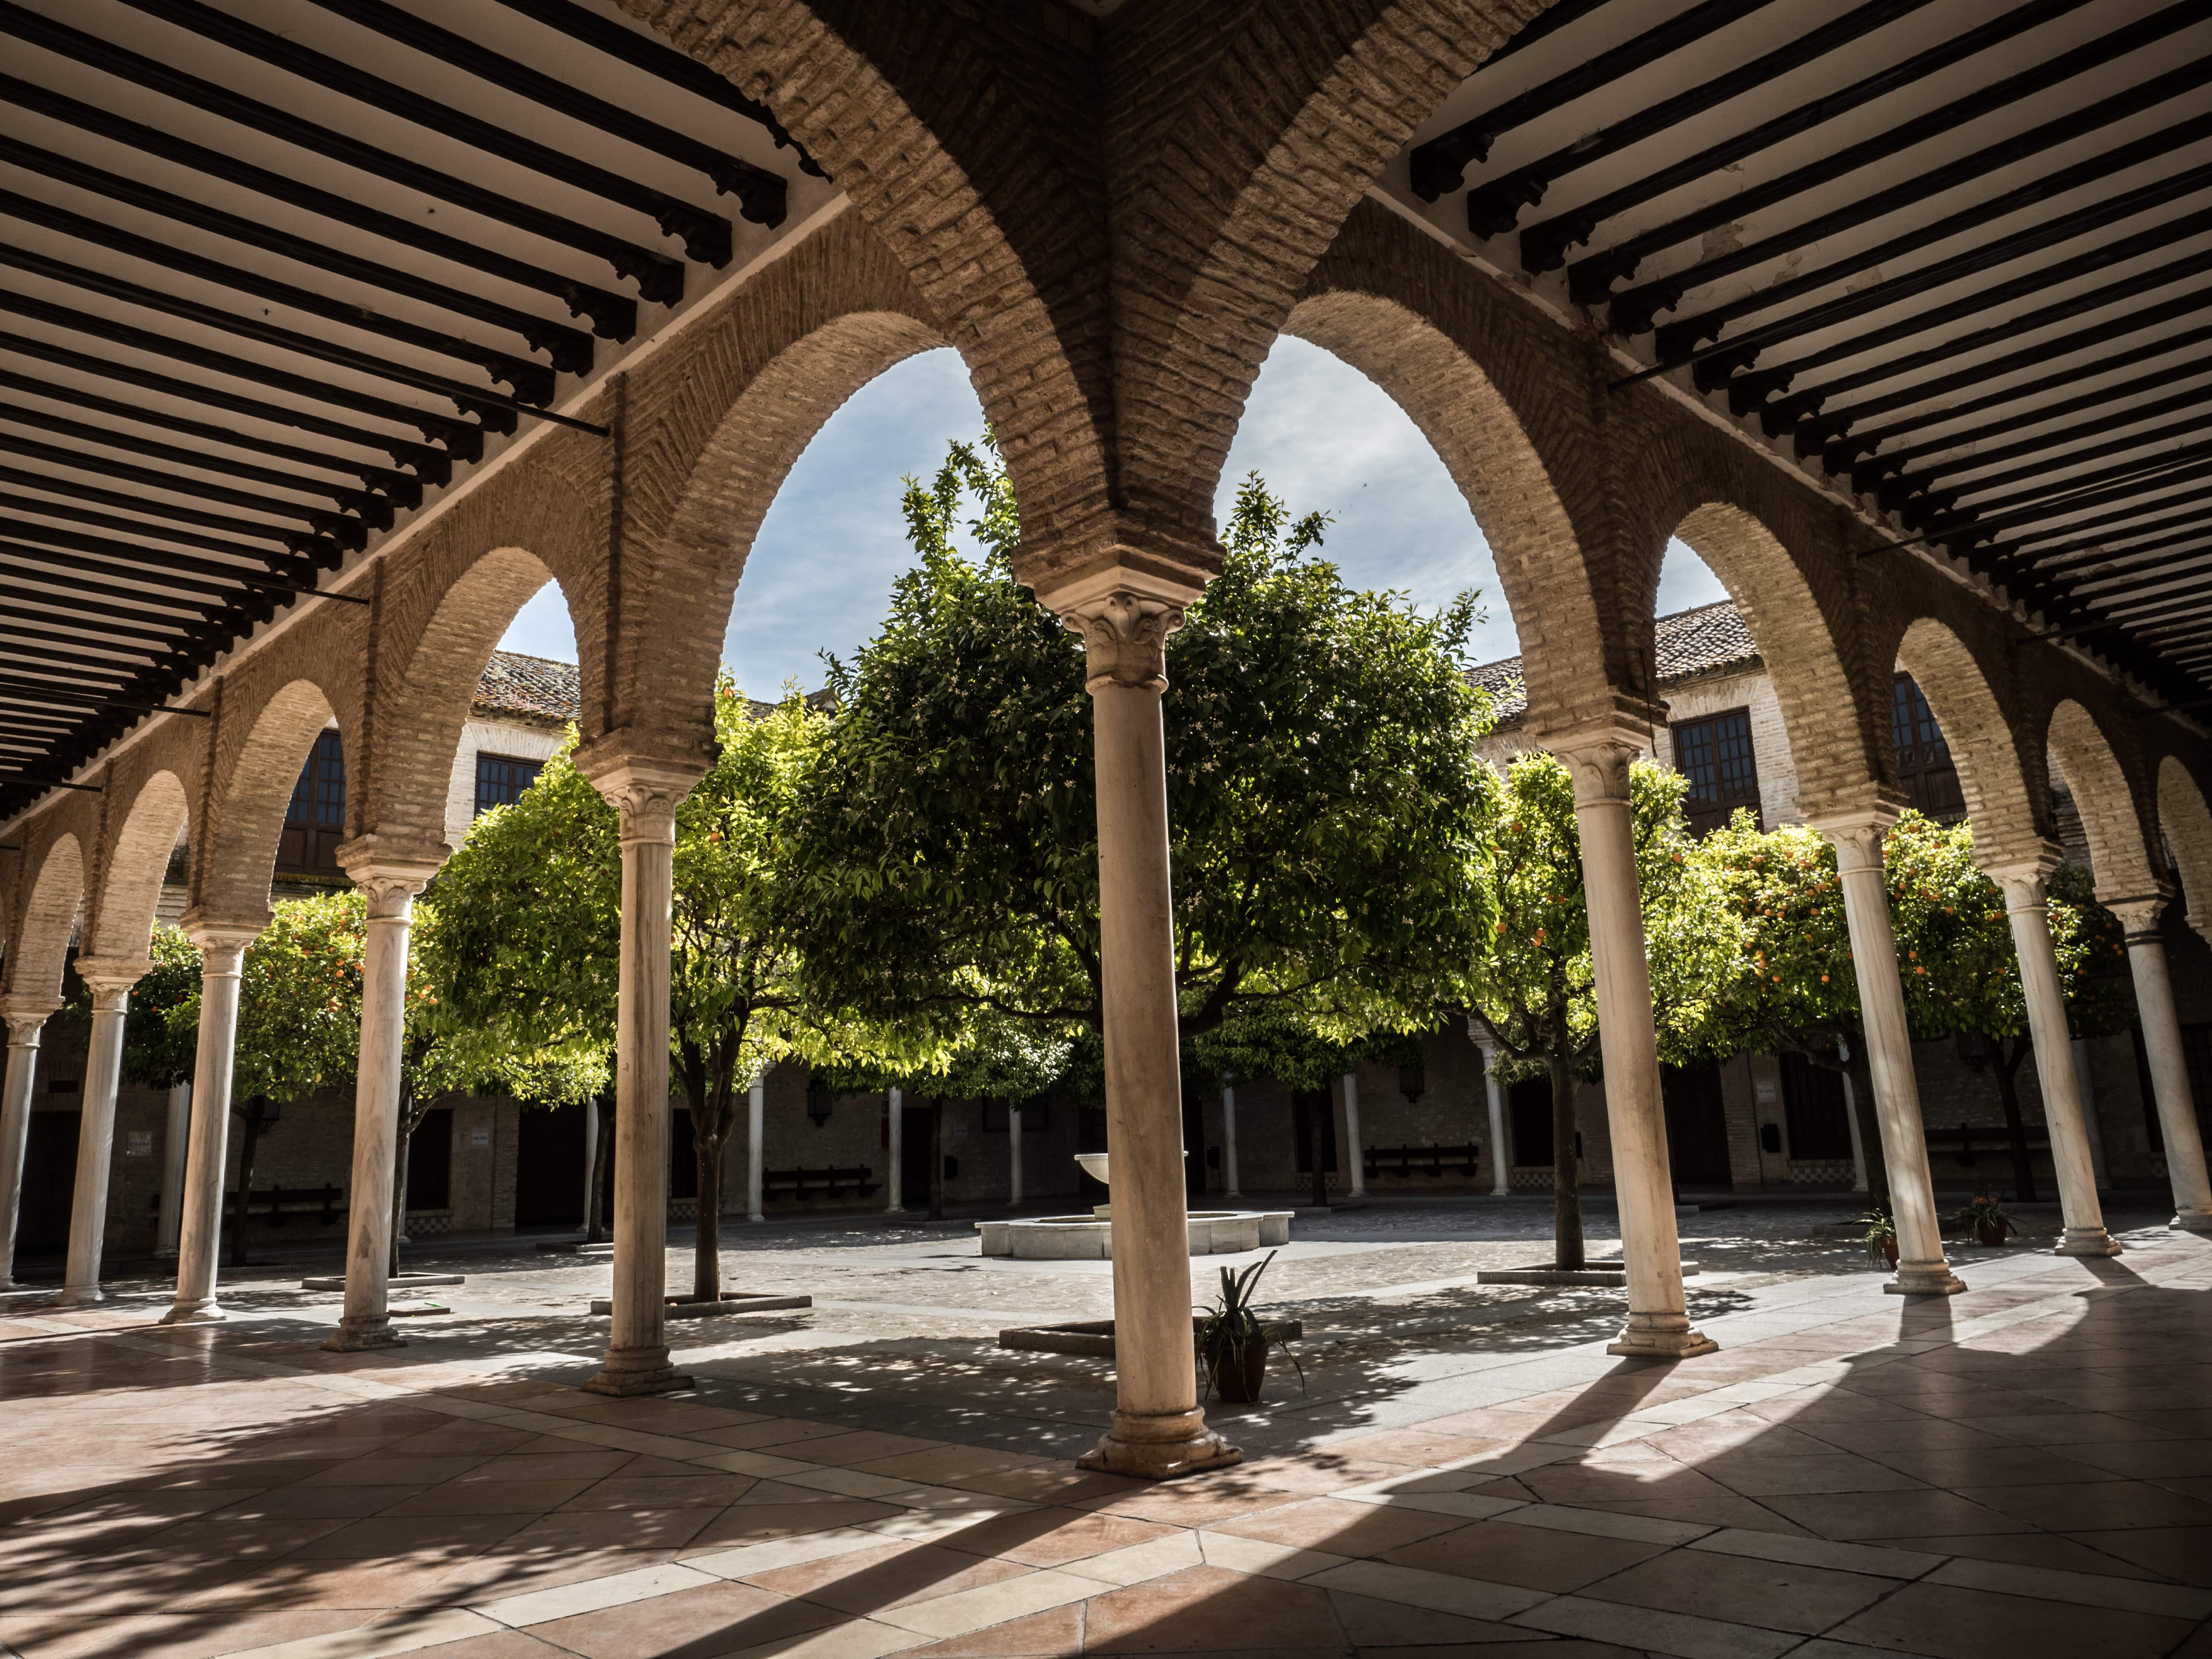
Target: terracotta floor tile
[1340,1527]
[1959,1467]
[1047,1538]
[1534,1557]
[501,1645]
[383,1537]
[1521,1650]
[1317,1475]
[1206,1610]
[1047,1635]
[1737,1589]
[64,1635]
[673,1491]
[1839,1472]
[2182,1554]
[1877,1516]
[772,1432]
[512,1568]
[1188,1504]
[614,1529]
[2145,1459]
[951,1466]
[1056,1483]
[1392,1625]
[770,1492]
[889,1576]
[2090,1508]
[2036,1549]
[492,1497]
[860,1446]
[380,1471]
[1716,1508]
[578,1465]
[1414,1447]
[319,1503]
[1949,1623]
[693,1624]
[754,1523]
[374,1585]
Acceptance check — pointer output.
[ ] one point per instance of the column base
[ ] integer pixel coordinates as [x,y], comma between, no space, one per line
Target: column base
[2193,1221]
[1159,1447]
[1661,1336]
[206,1311]
[1925,1278]
[79,1295]
[359,1335]
[629,1372]
[2087,1241]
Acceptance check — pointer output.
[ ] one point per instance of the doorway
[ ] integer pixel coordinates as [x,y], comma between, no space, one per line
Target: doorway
[549,1166]
[1305,1105]
[1696,1126]
[914,1157]
[42,1221]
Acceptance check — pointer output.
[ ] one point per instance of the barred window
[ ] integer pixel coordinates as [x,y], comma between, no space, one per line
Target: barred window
[500,779]
[1924,766]
[1716,754]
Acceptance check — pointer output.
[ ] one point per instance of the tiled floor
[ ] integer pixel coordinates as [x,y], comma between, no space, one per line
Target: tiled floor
[2022,1471]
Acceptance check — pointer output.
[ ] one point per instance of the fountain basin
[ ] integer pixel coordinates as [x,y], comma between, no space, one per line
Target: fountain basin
[1090,1238]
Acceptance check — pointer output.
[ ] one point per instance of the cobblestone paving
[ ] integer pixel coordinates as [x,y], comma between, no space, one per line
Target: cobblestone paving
[2024,1470]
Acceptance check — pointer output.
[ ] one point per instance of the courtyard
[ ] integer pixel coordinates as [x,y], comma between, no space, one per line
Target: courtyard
[2020,1470]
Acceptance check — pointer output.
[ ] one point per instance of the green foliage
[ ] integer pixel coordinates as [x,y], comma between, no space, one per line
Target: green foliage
[299,999]
[1533,989]
[1982,1212]
[1233,1324]
[1879,1235]
[1790,985]
[158,1048]
[1326,810]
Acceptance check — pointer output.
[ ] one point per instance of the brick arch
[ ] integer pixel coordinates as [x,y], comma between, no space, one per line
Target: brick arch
[2186,822]
[675,614]
[426,695]
[1805,662]
[945,130]
[237,857]
[50,901]
[2000,785]
[2119,851]
[1478,435]
[121,922]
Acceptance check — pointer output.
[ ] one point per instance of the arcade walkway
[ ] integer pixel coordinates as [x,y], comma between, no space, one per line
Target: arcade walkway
[2021,1471]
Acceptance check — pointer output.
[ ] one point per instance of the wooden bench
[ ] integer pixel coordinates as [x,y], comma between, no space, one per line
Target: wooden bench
[326,1204]
[1964,1141]
[828,1183]
[1423,1160]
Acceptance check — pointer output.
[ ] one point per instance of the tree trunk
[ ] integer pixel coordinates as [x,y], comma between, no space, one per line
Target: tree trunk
[936,1158]
[245,1181]
[707,1230]
[595,1218]
[2005,1058]
[1567,1196]
[1861,1072]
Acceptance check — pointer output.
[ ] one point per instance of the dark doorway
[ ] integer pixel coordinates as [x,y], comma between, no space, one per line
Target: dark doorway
[49,1183]
[1090,1137]
[1696,1126]
[1813,1104]
[913,1157]
[1529,1103]
[548,1167]
[1304,1104]
[1193,1144]
[430,1161]
[683,1154]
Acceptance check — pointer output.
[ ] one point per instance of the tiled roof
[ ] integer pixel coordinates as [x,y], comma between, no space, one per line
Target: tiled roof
[529,687]
[1689,643]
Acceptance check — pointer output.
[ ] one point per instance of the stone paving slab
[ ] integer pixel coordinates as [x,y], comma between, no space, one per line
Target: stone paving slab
[2018,1471]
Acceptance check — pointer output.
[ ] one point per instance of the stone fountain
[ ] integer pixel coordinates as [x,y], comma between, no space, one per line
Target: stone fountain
[1090,1238]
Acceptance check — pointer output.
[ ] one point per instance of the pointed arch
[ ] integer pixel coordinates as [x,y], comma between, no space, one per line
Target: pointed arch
[51,902]
[2119,852]
[1993,775]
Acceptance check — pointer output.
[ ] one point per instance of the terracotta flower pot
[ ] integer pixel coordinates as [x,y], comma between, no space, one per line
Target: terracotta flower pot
[1238,1372]
[1889,1251]
[1991,1233]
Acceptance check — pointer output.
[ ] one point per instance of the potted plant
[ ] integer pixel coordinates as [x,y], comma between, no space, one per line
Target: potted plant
[1880,1237]
[1991,1225]
[1232,1340]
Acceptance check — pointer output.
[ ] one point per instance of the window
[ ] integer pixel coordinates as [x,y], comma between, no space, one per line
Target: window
[500,779]
[1716,754]
[1923,757]
[1814,1106]
[314,822]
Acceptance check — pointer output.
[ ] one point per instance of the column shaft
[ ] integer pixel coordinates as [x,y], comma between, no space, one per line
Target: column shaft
[1158,1429]
[199,1237]
[895,1102]
[756,1132]
[1922,1269]
[1229,1141]
[2169,1070]
[23,1030]
[176,1131]
[645,796]
[1014,1153]
[1501,1155]
[2029,910]
[1352,1135]
[1658,1318]
[95,1139]
[367,1321]
[2085,1079]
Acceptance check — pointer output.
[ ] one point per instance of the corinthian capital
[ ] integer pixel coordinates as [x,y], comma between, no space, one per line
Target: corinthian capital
[646,793]
[2026,881]
[1597,755]
[110,978]
[389,878]
[1857,836]
[2138,916]
[1124,637]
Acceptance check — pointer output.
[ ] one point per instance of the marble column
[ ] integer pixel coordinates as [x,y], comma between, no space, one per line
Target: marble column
[2085,1079]
[1658,1313]
[1014,1154]
[645,793]
[1922,1269]
[110,983]
[1859,1180]
[199,1234]
[1358,1165]
[1231,1187]
[755,1131]
[1501,1154]
[895,1187]
[390,888]
[26,1016]
[2027,906]
[176,1131]
[2169,1071]
[1158,1429]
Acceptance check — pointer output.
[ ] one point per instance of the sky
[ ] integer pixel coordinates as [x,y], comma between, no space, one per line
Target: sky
[1323,435]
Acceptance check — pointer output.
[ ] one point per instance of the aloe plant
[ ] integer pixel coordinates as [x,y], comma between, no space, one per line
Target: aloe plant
[1232,1325]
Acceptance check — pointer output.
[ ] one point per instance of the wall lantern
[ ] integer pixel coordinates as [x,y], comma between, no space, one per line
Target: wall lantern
[1413,1080]
[817,1100]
